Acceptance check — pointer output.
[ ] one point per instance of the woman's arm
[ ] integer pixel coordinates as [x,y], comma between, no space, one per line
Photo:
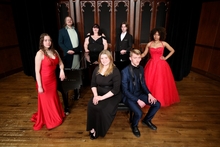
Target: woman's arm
[86,43]
[94,91]
[170,49]
[145,51]
[61,65]
[105,44]
[38,59]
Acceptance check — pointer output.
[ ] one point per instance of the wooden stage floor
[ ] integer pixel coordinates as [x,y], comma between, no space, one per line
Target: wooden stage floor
[194,122]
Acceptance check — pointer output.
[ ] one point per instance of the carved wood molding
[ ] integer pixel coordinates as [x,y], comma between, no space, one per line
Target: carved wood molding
[125,2]
[145,1]
[66,4]
[163,1]
[83,4]
[99,4]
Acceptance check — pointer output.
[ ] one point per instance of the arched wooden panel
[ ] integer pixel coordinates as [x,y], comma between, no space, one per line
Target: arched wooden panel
[121,13]
[141,15]
[145,21]
[63,9]
[88,12]
[104,9]
[161,16]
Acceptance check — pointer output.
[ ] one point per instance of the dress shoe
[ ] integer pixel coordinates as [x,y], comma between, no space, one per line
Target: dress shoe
[92,137]
[135,131]
[149,124]
[67,112]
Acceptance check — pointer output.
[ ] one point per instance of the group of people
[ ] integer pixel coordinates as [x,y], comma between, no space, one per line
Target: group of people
[123,80]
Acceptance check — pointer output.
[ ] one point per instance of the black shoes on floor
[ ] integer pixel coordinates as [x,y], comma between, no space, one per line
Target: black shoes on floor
[92,137]
[66,111]
[136,131]
[149,124]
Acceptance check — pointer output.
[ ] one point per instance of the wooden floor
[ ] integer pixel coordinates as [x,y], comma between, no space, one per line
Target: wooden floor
[194,122]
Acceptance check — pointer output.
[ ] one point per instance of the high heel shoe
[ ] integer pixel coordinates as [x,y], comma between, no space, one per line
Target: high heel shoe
[92,137]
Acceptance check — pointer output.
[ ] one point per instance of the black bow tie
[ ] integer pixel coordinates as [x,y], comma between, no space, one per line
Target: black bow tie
[137,67]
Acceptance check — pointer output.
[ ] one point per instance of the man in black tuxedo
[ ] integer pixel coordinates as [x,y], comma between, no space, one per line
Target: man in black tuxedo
[136,94]
[124,43]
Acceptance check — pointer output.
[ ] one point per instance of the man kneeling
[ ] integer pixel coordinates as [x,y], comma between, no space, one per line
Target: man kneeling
[136,94]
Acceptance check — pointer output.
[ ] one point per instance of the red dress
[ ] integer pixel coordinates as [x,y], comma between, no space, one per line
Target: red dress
[50,111]
[159,78]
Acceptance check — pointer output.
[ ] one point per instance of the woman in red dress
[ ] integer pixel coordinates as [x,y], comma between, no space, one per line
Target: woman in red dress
[50,111]
[158,75]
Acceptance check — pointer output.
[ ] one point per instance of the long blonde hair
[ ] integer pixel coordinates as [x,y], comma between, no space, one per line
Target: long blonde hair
[111,63]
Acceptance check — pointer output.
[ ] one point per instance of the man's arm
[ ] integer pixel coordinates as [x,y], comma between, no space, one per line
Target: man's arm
[125,86]
[61,42]
[130,42]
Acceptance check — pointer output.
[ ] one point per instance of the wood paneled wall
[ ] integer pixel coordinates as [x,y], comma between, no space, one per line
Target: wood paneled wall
[207,48]
[141,15]
[10,59]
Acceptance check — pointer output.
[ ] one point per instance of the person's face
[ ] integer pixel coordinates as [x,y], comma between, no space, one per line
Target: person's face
[69,21]
[156,36]
[95,30]
[135,59]
[105,59]
[123,28]
[47,42]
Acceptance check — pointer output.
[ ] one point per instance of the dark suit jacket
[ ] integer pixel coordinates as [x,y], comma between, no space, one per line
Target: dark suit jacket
[65,43]
[128,83]
[125,44]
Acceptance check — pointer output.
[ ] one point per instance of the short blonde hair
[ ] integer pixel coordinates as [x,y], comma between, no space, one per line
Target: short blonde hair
[135,51]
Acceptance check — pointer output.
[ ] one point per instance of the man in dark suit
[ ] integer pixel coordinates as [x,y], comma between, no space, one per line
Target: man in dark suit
[136,94]
[68,41]
[124,43]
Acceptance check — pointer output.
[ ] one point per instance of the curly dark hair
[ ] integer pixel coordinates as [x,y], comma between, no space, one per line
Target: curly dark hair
[161,31]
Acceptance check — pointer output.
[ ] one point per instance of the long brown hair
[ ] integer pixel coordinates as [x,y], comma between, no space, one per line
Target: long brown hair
[111,64]
[42,47]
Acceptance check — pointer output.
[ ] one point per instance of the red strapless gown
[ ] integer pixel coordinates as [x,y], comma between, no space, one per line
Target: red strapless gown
[159,78]
[50,111]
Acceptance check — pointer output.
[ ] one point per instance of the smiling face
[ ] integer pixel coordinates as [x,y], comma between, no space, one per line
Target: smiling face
[104,60]
[69,21]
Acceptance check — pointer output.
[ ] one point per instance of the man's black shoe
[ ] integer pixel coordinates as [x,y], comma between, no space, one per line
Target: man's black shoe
[135,131]
[67,112]
[149,124]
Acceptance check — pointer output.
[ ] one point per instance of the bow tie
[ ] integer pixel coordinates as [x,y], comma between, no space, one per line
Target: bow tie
[137,67]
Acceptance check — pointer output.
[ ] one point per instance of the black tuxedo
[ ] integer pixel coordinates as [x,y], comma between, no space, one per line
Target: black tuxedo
[126,44]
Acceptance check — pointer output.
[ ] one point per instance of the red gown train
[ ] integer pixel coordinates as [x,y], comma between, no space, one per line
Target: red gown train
[50,111]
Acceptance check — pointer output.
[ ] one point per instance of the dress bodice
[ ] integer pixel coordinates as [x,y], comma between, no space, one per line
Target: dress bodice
[95,45]
[48,66]
[156,53]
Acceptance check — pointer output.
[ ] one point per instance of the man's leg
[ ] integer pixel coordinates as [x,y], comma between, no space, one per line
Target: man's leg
[136,117]
[76,94]
[151,112]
